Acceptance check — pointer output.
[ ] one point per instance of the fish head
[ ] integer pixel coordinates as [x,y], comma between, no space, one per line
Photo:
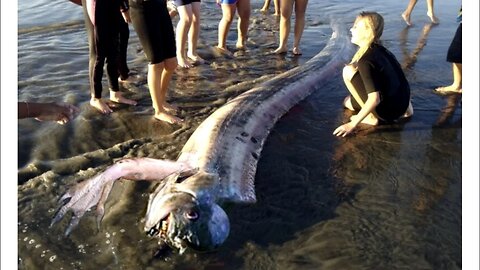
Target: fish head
[183,213]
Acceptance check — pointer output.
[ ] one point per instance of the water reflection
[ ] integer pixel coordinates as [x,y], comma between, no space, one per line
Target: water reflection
[410,58]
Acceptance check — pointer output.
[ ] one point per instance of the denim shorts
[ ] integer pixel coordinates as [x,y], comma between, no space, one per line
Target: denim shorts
[229,2]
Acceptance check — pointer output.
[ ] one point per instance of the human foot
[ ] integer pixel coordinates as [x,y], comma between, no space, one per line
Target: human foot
[370,119]
[165,117]
[183,62]
[100,105]
[196,58]
[224,51]
[280,50]
[131,78]
[118,98]
[241,46]
[169,107]
[449,89]
[406,19]
[433,18]
[297,51]
[409,111]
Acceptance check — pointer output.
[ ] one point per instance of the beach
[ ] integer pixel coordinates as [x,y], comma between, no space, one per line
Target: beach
[386,198]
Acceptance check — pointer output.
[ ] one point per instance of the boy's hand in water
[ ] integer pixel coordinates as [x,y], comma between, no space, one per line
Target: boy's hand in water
[58,112]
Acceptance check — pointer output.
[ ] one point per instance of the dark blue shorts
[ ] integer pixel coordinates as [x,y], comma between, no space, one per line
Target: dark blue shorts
[229,2]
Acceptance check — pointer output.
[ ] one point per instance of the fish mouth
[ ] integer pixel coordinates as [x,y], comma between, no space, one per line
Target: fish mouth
[164,226]
[161,228]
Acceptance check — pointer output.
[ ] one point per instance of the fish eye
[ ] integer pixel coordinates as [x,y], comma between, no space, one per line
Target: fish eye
[182,178]
[191,215]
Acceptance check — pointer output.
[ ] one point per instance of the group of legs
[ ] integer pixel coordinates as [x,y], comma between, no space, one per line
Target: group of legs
[411,5]
[108,41]
[276,4]
[454,52]
[229,9]
[188,27]
[104,37]
[454,56]
[284,8]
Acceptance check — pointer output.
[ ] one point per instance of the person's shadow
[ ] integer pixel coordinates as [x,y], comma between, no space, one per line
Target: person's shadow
[410,58]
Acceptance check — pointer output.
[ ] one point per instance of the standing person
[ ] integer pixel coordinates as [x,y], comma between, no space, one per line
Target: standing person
[377,85]
[276,4]
[411,5]
[123,36]
[101,21]
[229,8]
[189,23]
[151,21]
[454,56]
[286,9]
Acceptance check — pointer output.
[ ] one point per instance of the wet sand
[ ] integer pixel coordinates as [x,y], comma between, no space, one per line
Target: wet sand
[383,198]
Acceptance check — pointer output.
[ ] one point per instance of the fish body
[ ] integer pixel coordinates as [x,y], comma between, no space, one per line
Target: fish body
[218,162]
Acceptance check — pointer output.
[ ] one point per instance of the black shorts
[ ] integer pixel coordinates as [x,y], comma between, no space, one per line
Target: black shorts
[184,2]
[454,54]
[388,110]
[154,28]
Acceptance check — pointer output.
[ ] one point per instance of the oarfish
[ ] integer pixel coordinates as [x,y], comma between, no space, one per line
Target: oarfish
[217,164]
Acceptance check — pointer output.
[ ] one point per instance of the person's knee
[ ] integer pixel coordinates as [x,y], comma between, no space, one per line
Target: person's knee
[187,19]
[157,67]
[348,72]
[244,14]
[171,64]
[196,19]
[228,18]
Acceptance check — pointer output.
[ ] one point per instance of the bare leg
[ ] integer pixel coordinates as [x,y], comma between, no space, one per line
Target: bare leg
[116,96]
[243,8]
[183,27]
[348,73]
[409,111]
[101,106]
[158,79]
[194,33]
[406,14]
[265,7]
[456,86]
[286,7]
[228,11]
[169,68]
[431,13]
[300,8]
[276,4]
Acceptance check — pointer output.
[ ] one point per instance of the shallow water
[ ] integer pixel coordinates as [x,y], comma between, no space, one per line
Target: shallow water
[387,198]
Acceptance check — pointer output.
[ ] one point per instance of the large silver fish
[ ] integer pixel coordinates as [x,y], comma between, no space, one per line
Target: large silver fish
[217,163]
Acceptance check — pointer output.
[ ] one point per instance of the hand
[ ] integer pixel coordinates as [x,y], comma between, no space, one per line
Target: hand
[344,129]
[59,112]
[126,16]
